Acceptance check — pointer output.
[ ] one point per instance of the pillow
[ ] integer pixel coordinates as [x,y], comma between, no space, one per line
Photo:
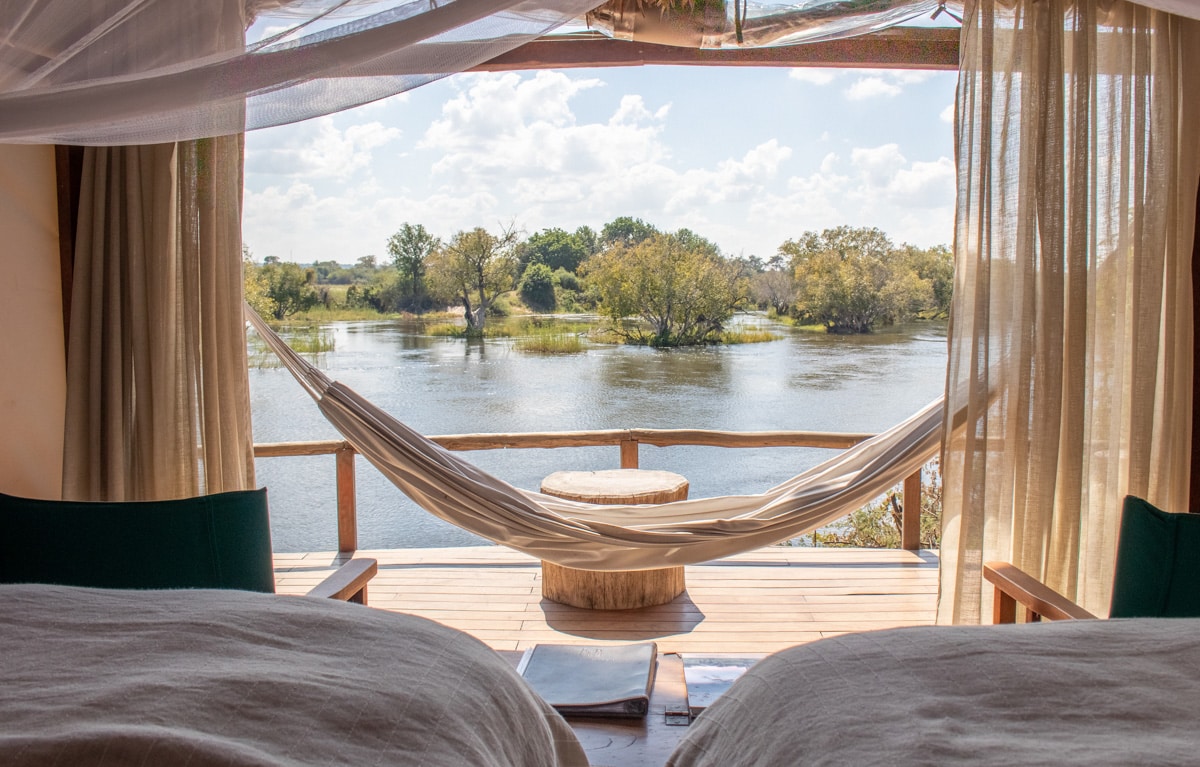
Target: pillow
[1157,573]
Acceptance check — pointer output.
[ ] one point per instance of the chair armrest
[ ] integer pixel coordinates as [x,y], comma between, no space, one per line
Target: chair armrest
[1014,587]
[349,582]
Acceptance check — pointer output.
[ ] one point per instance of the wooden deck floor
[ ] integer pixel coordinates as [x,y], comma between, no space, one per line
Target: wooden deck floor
[756,602]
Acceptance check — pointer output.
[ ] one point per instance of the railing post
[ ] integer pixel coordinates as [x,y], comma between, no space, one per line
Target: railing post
[629,453]
[910,525]
[347,514]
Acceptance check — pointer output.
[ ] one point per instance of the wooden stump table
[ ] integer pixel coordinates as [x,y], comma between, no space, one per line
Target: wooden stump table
[622,589]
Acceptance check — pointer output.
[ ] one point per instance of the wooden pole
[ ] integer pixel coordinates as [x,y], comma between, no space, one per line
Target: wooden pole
[629,454]
[347,513]
[910,532]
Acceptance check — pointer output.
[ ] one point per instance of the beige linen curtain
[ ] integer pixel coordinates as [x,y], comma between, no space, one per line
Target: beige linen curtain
[158,396]
[158,399]
[1071,335]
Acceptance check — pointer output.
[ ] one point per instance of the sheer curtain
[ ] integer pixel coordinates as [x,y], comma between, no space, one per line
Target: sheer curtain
[157,393]
[1071,335]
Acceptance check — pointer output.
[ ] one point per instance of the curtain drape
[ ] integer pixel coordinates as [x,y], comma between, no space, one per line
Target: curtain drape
[157,388]
[1070,352]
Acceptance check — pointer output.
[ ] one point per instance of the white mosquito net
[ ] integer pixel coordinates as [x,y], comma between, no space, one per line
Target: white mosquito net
[109,72]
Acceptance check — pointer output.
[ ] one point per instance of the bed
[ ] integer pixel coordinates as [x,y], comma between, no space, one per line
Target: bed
[1103,692]
[202,678]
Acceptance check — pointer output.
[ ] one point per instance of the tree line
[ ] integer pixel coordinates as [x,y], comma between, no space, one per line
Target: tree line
[654,287]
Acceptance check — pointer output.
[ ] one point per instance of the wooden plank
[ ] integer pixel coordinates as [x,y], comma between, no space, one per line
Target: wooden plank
[291,449]
[900,48]
[760,601]
[348,582]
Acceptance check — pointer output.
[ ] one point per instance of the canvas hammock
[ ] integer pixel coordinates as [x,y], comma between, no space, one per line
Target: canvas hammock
[601,537]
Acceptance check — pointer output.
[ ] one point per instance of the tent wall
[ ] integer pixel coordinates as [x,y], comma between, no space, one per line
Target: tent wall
[33,387]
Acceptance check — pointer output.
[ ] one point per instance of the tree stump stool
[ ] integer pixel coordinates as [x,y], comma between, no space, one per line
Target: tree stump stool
[622,589]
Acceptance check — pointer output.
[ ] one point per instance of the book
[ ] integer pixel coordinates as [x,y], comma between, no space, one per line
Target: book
[707,677]
[592,680]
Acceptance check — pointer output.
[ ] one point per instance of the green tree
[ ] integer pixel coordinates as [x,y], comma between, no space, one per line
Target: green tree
[556,248]
[410,248]
[473,270]
[331,273]
[676,290]
[625,231]
[537,287]
[774,289]
[588,239]
[851,279]
[936,266]
[255,285]
[384,292]
[287,288]
[878,524]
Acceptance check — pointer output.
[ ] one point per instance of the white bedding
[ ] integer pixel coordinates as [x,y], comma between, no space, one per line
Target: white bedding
[1118,692]
[232,678]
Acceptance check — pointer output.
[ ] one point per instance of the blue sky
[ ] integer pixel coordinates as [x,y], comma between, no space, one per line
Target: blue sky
[747,157]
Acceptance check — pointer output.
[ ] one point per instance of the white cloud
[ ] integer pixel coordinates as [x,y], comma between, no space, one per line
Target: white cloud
[731,180]
[884,83]
[522,135]
[924,184]
[872,87]
[814,76]
[876,186]
[319,149]
[877,164]
[947,114]
[562,149]
[899,76]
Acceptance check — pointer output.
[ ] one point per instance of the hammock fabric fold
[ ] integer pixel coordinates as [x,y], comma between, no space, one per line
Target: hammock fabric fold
[601,537]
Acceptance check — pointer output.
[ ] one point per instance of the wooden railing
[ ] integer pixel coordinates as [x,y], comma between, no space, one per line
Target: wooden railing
[627,440]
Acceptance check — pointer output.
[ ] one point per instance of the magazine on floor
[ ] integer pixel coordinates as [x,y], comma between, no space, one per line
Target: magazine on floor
[592,680]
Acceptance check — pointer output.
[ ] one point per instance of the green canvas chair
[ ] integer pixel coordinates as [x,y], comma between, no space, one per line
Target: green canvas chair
[219,541]
[1157,573]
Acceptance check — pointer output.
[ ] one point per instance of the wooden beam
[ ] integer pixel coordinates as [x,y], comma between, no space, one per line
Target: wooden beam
[347,512]
[910,527]
[899,48]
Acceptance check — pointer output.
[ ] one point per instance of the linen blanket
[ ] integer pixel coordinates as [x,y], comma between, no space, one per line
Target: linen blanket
[101,677]
[1104,692]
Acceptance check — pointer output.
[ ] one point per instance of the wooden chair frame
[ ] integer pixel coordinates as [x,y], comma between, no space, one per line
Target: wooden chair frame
[349,582]
[1014,586]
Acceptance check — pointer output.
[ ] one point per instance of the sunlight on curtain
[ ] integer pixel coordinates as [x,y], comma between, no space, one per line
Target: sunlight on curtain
[1071,334]
[157,390]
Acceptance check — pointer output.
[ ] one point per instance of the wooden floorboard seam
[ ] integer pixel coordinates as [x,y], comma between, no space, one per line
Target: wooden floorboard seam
[758,602]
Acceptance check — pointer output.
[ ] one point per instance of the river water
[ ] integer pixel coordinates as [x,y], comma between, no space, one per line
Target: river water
[804,381]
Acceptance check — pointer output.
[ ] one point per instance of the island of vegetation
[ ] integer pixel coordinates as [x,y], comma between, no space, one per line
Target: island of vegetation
[652,287]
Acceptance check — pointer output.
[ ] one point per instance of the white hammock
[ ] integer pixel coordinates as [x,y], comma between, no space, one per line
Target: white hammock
[598,537]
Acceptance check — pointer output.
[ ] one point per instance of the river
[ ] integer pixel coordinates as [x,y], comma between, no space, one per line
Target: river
[438,385]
